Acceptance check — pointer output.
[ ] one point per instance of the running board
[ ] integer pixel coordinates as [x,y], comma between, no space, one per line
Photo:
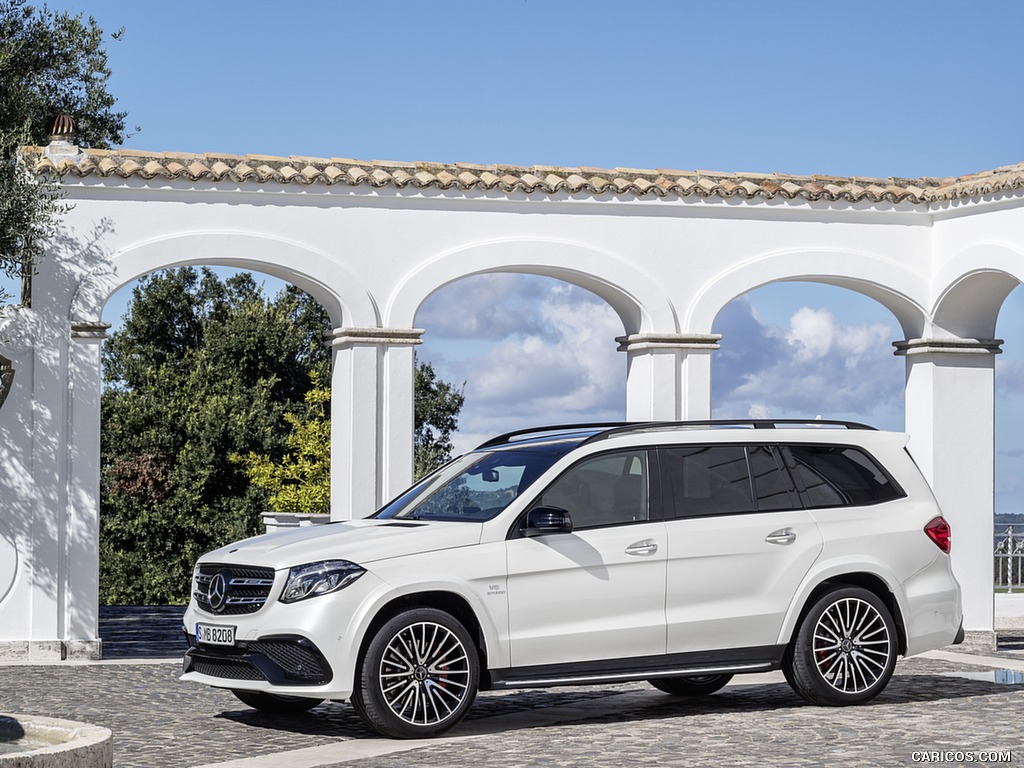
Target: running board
[627,676]
[730,662]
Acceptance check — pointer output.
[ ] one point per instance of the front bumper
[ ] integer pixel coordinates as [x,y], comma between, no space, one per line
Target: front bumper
[280,660]
[308,648]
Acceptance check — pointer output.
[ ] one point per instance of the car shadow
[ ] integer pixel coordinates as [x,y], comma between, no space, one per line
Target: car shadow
[492,714]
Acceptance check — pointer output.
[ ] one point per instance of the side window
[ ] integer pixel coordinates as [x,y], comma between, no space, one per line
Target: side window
[705,480]
[773,486]
[605,490]
[836,476]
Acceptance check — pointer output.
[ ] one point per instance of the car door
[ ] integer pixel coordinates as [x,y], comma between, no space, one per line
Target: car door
[739,546]
[599,591]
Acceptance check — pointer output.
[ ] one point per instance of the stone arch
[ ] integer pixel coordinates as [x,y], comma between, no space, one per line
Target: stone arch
[894,286]
[635,297]
[972,286]
[332,284]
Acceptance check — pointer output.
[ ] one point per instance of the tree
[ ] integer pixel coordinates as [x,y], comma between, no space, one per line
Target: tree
[214,410]
[438,404]
[202,369]
[51,63]
[301,481]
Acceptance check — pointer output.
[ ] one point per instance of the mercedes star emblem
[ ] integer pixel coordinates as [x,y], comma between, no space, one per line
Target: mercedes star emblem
[217,594]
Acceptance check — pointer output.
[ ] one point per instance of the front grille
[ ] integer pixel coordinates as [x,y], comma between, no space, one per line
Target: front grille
[245,588]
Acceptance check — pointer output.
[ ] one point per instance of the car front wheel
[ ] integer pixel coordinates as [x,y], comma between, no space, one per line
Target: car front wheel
[844,650]
[419,675]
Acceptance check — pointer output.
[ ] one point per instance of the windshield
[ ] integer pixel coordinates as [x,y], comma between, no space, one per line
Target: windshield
[477,486]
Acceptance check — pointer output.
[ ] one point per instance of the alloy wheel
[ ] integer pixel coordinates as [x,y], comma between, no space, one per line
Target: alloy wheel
[852,645]
[425,673]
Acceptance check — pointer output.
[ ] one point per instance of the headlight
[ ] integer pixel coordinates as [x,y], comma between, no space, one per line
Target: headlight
[320,578]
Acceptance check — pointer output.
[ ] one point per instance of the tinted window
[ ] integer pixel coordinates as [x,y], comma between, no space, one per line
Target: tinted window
[773,486]
[604,490]
[708,480]
[477,486]
[833,476]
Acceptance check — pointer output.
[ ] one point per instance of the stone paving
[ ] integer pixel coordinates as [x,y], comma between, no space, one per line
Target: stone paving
[932,705]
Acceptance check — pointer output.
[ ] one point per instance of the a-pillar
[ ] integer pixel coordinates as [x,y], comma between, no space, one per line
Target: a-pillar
[950,405]
[668,375]
[372,417]
[82,520]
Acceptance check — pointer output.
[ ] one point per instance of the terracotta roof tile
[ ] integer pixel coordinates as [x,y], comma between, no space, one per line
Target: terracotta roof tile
[546,179]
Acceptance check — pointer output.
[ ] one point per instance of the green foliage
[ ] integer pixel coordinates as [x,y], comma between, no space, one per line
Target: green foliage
[51,63]
[30,207]
[301,481]
[215,409]
[438,404]
[202,370]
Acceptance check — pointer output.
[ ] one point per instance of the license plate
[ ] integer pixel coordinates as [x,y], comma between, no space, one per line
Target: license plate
[209,634]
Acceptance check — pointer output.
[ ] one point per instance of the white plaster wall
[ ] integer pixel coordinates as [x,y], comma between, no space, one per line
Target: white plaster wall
[667,267]
[400,246]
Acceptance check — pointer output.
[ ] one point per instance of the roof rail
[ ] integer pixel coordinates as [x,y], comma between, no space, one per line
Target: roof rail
[599,425]
[608,429]
[728,423]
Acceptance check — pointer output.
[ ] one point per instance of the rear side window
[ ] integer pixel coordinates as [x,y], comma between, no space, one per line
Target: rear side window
[773,486]
[839,476]
[708,480]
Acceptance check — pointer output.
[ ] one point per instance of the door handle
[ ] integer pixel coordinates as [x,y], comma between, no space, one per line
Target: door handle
[782,536]
[642,548]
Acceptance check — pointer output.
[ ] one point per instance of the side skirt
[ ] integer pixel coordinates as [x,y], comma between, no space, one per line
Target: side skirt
[732,661]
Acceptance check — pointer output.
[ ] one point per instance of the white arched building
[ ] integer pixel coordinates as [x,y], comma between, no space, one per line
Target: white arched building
[666,249]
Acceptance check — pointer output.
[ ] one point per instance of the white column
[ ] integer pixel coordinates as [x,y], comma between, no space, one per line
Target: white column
[20,491]
[82,521]
[950,405]
[399,413]
[33,483]
[668,375]
[371,417]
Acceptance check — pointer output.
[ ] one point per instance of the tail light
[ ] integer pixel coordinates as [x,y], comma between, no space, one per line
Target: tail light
[938,531]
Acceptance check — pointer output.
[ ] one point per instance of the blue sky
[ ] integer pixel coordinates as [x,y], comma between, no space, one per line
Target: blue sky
[870,88]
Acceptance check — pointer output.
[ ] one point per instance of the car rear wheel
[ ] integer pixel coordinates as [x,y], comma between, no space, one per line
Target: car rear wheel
[274,703]
[844,650]
[690,685]
[419,675]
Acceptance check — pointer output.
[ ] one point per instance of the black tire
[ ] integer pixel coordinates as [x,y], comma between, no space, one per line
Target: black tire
[844,650]
[418,677]
[275,704]
[690,685]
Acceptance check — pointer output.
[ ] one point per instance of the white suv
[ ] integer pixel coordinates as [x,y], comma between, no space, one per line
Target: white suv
[679,553]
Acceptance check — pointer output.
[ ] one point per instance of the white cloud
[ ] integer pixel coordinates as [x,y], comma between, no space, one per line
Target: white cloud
[758,411]
[482,307]
[545,354]
[811,332]
[1009,377]
[817,365]
[551,357]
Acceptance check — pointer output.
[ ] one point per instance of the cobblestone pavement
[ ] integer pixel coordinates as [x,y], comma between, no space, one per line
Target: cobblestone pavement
[932,705]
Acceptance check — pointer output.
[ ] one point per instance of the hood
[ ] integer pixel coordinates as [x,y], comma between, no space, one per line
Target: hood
[359,541]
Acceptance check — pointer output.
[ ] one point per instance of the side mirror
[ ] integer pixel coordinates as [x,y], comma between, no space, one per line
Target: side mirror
[541,521]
